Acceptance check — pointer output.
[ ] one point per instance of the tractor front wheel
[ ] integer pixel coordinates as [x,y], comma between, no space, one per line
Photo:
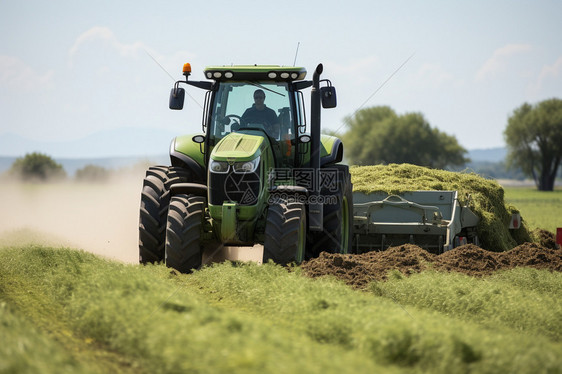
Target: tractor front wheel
[183,232]
[155,199]
[285,233]
[153,211]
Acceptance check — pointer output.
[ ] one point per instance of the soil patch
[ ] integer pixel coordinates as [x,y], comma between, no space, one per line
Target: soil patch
[359,270]
[544,238]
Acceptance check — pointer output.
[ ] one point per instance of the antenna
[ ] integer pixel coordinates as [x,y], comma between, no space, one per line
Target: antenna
[296,53]
[378,89]
[157,63]
[170,75]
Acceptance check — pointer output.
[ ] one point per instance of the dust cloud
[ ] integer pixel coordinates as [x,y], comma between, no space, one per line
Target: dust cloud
[97,217]
[101,218]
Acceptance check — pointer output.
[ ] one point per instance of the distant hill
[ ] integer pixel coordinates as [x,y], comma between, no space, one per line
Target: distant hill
[488,154]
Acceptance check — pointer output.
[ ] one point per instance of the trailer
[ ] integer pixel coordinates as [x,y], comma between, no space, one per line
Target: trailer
[433,220]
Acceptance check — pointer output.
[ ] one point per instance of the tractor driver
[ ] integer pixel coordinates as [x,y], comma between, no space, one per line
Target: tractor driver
[259,113]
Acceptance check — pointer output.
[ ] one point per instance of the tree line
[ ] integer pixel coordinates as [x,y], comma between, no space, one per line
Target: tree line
[39,167]
[533,135]
[378,135]
[534,139]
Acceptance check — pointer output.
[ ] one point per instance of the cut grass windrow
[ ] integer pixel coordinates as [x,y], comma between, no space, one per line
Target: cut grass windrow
[386,329]
[154,323]
[522,299]
[26,349]
[247,318]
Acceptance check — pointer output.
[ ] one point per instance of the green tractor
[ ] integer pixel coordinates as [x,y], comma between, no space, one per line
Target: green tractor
[255,175]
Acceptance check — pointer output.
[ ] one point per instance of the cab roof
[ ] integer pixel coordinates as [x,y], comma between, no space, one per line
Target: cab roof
[255,72]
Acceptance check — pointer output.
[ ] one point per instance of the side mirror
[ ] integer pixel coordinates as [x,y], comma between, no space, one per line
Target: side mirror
[328,94]
[177,97]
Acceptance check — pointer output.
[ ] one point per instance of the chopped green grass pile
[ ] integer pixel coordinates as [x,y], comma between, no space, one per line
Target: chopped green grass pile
[486,197]
[245,318]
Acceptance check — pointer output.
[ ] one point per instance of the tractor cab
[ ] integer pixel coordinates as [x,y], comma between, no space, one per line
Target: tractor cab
[270,108]
[263,98]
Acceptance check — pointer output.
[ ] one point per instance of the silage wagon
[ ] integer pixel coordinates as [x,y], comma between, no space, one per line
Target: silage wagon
[433,220]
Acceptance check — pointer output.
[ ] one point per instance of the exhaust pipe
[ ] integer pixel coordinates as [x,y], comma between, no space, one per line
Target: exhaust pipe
[315,212]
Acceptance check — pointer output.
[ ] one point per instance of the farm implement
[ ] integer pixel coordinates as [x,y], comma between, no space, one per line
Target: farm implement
[434,220]
[258,173]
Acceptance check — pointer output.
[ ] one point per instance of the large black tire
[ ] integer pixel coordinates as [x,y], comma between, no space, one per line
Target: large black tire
[155,199]
[285,233]
[153,212]
[183,232]
[337,233]
[180,175]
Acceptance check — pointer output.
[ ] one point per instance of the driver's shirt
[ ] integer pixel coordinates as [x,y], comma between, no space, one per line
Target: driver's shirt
[266,116]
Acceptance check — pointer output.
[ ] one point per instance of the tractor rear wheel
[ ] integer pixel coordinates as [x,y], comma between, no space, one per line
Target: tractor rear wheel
[155,199]
[183,232]
[337,234]
[285,233]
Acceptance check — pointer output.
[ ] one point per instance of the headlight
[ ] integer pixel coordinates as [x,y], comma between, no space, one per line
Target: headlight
[246,166]
[218,166]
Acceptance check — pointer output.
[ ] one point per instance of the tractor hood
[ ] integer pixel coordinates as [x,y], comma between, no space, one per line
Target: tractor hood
[239,146]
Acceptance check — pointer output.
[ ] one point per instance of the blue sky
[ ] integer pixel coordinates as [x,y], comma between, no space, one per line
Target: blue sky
[73,69]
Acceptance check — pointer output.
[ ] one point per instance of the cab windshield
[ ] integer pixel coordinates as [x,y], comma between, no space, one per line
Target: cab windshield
[255,105]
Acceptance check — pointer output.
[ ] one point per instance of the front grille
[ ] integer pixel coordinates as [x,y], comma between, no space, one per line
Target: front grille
[233,187]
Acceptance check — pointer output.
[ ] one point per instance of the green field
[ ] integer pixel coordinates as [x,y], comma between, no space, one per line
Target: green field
[65,310]
[540,209]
